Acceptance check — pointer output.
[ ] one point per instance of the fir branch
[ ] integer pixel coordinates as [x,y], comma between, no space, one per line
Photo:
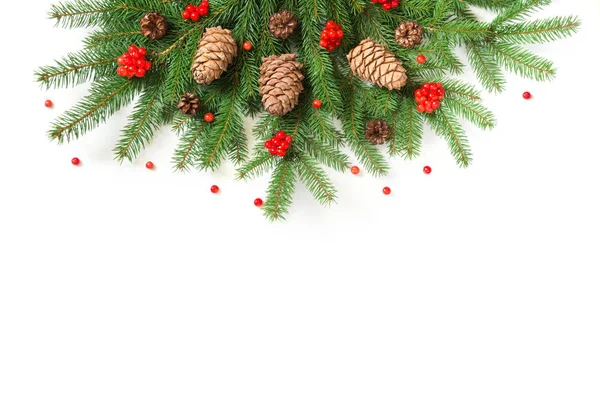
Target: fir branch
[315,180]
[445,125]
[486,68]
[540,31]
[280,191]
[522,62]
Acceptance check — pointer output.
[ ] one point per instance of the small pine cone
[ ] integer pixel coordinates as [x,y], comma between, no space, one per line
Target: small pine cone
[282,24]
[378,132]
[154,26]
[280,83]
[409,34]
[215,52]
[189,104]
[374,63]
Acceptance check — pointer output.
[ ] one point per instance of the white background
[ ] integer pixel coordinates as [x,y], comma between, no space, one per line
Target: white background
[121,283]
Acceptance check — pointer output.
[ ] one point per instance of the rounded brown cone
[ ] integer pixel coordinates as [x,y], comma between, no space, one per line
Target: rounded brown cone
[378,132]
[282,24]
[154,26]
[374,63]
[409,34]
[216,51]
[280,83]
[189,104]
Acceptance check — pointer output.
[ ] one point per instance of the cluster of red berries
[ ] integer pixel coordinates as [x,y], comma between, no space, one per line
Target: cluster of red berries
[194,13]
[387,4]
[331,36]
[279,144]
[133,63]
[428,97]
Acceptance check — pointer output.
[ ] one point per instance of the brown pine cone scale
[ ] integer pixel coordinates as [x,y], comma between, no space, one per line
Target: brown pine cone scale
[154,26]
[282,24]
[378,132]
[216,51]
[189,104]
[409,34]
[374,63]
[280,83]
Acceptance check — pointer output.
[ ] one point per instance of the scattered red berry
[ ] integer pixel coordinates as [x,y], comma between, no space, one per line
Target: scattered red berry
[421,59]
[317,103]
[214,189]
[427,170]
[279,144]
[209,117]
[355,170]
[247,46]
[258,202]
[387,190]
[75,161]
[150,165]
[194,13]
[526,95]
[331,36]
[49,103]
[428,97]
[133,63]
[387,4]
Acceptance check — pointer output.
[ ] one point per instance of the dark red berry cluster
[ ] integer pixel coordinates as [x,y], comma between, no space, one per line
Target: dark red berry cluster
[331,36]
[428,97]
[279,144]
[194,13]
[387,4]
[133,63]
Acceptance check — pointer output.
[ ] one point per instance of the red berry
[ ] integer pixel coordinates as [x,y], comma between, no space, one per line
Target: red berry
[140,73]
[258,202]
[317,103]
[132,49]
[355,170]
[194,16]
[427,170]
[150,165]
[209,117]
[75,161]
[214,189]
[269,144]
[387,6]
[247,46]
[421,59]
[185,15]
[281,152]
[48,103]
[387,190]
[142,51]
[148,66]
[420,107]
[190,8]
[273,151]
[203,11]
[526,95]
[289,139]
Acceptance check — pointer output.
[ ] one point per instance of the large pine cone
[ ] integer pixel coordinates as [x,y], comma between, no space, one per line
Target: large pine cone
[409,34]
[282,24]
[189,104]
[215,52]
[374,63]
[154,26]
[378,132]
[280,83]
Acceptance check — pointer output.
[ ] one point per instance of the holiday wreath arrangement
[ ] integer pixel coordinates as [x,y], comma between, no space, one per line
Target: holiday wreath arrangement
[383,68]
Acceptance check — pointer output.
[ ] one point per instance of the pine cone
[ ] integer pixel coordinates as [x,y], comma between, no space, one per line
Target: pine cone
[154,26]
[378,131]
[189,104]
[409,34]
[374,63]
[282,24]
[215,52]
[280,83]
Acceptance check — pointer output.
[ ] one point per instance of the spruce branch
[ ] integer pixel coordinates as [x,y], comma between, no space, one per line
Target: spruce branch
[280,191]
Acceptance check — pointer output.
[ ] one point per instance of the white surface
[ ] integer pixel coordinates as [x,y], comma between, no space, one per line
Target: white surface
[120,283]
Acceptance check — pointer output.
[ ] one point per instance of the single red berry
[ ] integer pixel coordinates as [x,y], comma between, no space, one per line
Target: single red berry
[258,202]
[247,46]
[150,165]
[355,170]
[280,135]
[185,15]
[209,117]
[421,59]
[427,170]
[387,190]
[214,189]
[203,11]
[526,95]
[49,103]
[75,161]
[317,103]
